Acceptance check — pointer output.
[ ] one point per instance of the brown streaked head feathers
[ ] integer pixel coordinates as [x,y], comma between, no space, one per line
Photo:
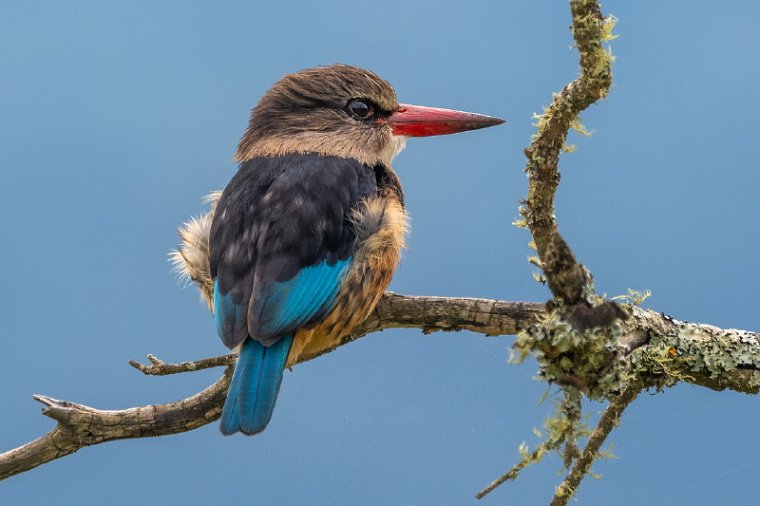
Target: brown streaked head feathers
[306,112]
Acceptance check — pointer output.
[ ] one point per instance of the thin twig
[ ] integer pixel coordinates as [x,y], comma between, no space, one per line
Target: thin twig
[535,456]
[609,420]
[571,406]
[160,368]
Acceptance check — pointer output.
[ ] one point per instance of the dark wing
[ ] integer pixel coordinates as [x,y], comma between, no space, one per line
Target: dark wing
[281,242]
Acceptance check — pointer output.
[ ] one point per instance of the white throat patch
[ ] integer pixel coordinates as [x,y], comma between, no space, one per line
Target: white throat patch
[394,147]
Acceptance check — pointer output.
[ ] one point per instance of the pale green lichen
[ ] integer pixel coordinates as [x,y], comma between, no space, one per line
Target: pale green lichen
[595,363]
[568,148]
[588,360]
[560,430]
[576,125]
[607,26]
[719,358]
[520,223]
[660,362]
[635,297]
[596,59]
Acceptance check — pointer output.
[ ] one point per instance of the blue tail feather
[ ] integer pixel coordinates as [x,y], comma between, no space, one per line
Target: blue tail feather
[254,387]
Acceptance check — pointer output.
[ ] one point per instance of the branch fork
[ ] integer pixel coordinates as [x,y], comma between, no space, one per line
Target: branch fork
[639,348]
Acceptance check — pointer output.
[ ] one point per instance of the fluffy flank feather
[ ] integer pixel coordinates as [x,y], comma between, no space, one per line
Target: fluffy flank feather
[191,260]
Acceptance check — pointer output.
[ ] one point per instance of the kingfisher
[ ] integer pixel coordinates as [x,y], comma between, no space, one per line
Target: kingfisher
[299,247]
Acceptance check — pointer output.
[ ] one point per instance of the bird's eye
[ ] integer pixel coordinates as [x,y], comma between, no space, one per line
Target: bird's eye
[360,108]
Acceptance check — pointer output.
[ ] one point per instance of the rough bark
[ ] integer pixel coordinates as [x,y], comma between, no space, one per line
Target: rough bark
[80,426]
[655,349]
[692,352]
[567,279]
[587,344]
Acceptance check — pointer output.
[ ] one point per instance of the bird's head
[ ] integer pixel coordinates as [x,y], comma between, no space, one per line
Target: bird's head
[344,111]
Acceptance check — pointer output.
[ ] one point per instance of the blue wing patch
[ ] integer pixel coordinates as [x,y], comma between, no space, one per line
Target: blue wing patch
[280,308]
[288,305]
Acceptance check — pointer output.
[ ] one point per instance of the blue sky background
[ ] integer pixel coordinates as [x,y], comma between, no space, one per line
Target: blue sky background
[117,117]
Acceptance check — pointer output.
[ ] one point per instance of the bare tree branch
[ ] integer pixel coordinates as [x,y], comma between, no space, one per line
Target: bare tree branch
[582,357]
[648,348]
[667,349]
[567,278]
[587,344]
[158,367]
[80,426]
[432,314]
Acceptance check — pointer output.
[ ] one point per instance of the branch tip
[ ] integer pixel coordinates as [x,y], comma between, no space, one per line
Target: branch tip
[394,311]
[47,401]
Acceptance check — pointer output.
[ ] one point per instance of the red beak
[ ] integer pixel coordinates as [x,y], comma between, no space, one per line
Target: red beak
[421,121]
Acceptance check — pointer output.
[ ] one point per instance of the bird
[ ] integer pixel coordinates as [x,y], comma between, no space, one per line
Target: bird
[299,247]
